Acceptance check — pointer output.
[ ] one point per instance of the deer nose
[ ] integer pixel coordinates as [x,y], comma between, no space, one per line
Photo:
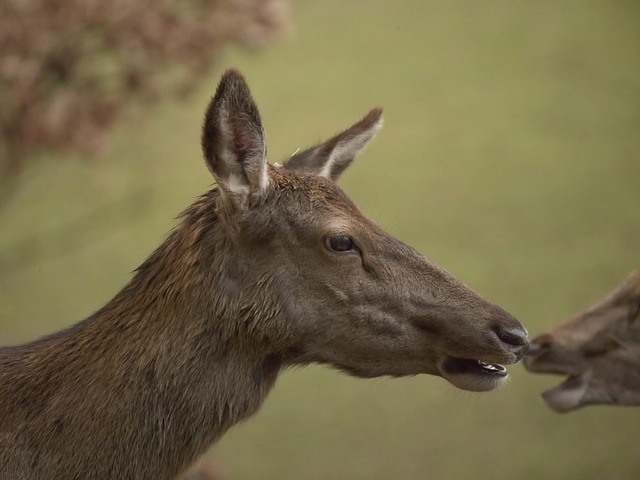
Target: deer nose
[539,345]
[515,338]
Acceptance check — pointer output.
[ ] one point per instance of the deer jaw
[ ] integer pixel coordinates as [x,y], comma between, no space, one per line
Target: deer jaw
[376,307]
[599,351]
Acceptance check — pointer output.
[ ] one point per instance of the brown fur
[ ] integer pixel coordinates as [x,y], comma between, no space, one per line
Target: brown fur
[598,349]
[246,285]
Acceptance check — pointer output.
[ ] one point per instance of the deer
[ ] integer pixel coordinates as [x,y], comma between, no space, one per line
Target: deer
[274,267]
[203,469]
[598,350]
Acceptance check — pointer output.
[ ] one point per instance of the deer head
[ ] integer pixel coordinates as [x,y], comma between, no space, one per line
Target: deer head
[333,287]
[599,351]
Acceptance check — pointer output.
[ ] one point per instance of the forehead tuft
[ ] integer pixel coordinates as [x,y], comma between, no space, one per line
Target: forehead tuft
[313,187]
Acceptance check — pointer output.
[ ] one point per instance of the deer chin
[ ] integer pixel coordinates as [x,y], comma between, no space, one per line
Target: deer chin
[472,375]
[567,396]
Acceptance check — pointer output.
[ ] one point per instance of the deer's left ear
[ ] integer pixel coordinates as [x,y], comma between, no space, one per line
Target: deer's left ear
[329,159]
[233,141]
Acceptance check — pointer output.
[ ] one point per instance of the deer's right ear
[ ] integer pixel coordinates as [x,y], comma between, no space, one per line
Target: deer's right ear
[329,159]
[233,141]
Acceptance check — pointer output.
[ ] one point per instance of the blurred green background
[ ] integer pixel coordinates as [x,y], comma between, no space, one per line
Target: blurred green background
[509,156]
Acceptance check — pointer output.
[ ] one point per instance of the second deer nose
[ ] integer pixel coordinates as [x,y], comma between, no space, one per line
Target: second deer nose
[515,338]
[539,345]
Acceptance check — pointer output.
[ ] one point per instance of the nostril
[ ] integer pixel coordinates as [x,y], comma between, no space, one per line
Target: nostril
[514,337]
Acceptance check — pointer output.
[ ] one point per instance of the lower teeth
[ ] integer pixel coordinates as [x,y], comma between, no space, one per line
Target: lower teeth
[488,366]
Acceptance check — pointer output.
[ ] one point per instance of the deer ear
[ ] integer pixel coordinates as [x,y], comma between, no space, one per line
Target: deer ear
[331,158]
[233,141]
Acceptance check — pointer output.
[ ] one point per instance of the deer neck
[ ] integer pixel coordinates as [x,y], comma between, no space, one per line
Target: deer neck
[153,378]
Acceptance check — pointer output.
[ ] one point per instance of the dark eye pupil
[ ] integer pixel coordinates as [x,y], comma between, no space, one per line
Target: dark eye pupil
[340,243]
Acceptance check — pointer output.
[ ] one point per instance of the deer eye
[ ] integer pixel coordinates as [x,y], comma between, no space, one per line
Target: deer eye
[340,243]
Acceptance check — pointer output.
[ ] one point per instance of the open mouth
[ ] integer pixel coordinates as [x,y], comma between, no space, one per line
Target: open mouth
[465,366]
[566,396]
[473,375]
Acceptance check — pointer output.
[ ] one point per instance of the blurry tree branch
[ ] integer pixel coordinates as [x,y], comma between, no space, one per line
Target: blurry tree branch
[68,67]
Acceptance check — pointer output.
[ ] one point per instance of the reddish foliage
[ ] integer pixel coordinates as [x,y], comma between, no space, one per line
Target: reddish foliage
[67,67]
